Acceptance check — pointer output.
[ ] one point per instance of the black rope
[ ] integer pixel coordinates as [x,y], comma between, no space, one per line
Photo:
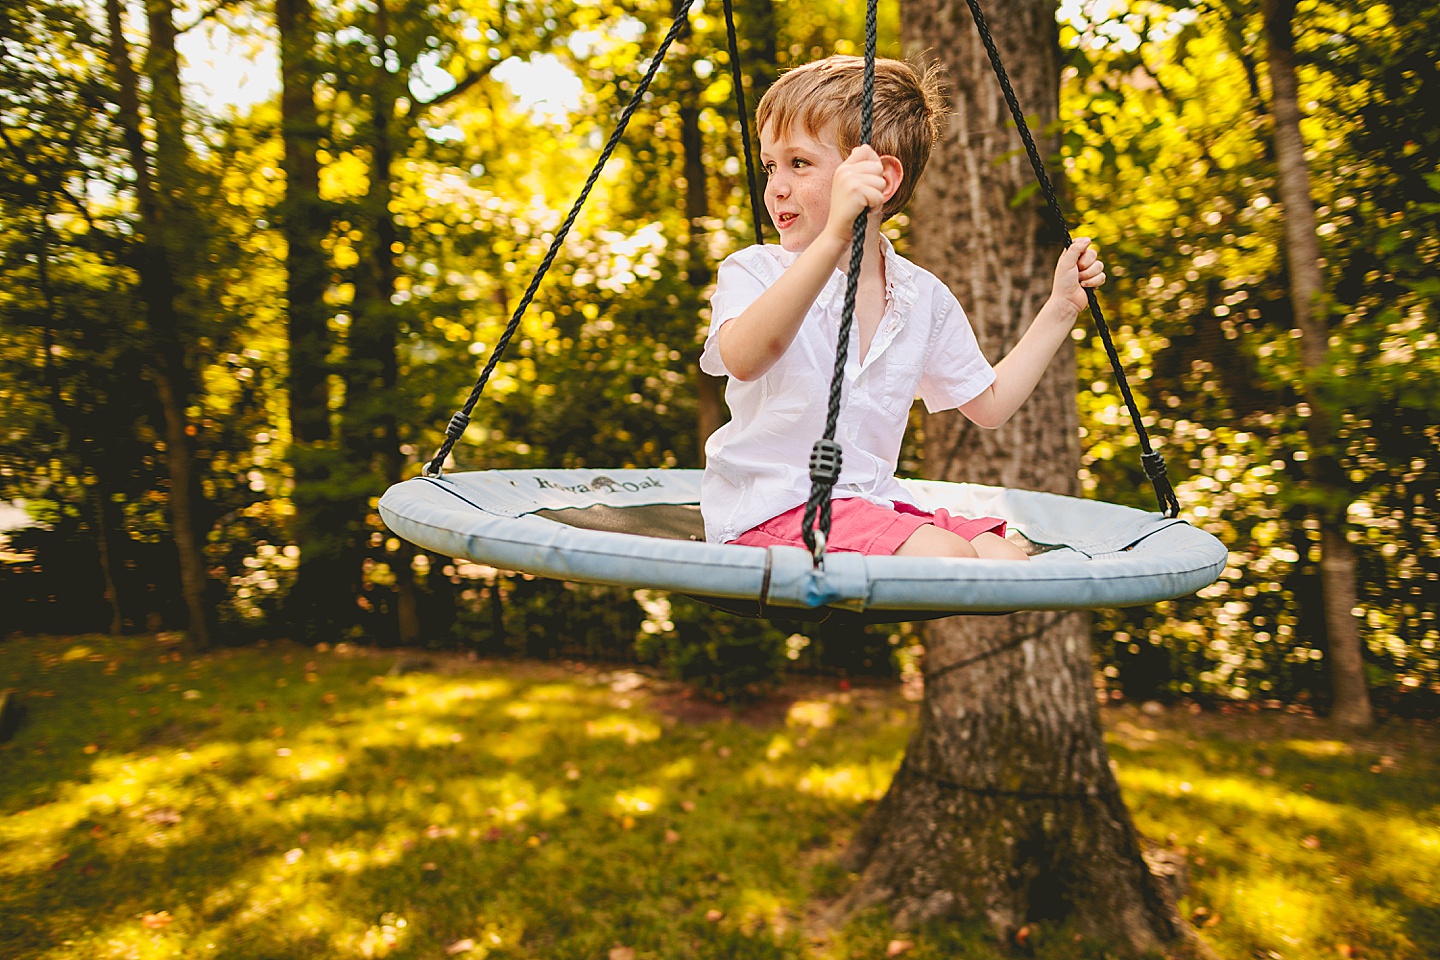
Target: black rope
[456,428]
[1153,462]
[737,79]
[1103,793]
[825,455]
[932,675]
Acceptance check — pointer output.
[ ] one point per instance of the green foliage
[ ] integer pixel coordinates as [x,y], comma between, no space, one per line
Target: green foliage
[1168,149]
[1167,159]
[723,656]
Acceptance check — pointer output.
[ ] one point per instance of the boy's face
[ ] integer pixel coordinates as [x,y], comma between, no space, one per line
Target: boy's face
[799,168]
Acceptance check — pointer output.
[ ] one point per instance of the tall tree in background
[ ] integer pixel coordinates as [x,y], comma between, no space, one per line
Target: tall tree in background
[166,250]
[709,391]
[1307,300]
[47,107]
[325,585]
[369,432]
[755,37]
[1005,808]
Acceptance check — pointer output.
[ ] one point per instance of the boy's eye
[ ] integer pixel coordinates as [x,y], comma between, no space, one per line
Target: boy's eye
[798,162]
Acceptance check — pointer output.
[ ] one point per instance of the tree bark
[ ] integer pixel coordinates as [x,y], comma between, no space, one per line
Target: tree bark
[322,601]
[1005,809]
[1307,290]
[159,287]
[372,370]
[755,35]
[709,391]
[103,527]
[77,440]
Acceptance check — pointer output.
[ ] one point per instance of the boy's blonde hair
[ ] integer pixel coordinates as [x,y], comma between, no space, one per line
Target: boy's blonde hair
[825,97]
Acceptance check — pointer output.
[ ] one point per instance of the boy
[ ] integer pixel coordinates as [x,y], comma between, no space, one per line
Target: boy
[775,320]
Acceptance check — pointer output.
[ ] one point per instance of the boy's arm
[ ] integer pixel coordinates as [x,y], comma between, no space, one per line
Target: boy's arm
[1021,369]
[751,343]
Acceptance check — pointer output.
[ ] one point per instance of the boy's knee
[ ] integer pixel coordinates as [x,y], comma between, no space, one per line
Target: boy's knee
[932,541]
[990,547]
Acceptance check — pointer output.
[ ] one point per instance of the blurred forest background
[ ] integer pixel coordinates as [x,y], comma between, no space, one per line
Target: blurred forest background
[226,328]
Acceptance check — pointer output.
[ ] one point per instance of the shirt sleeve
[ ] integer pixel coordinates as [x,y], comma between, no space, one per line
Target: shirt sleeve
[737,285]
[956,372]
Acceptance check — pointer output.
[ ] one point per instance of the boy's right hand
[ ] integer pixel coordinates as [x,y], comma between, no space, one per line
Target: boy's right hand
[858,185]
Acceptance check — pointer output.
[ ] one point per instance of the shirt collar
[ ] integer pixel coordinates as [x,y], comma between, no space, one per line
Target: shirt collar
[899,275]
[900,287]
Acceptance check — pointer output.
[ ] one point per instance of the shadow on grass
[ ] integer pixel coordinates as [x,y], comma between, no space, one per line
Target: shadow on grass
[405,814]
[285,802]
[1300,844]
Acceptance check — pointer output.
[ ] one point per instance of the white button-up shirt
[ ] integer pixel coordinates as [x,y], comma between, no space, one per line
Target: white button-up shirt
[758,465]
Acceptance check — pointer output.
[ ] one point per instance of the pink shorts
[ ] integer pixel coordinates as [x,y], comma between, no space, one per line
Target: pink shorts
[859,526]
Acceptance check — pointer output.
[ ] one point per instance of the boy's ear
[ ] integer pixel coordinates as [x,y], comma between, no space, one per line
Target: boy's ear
[894,173]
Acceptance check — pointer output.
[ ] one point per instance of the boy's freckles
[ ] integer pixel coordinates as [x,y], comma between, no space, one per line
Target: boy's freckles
[799,169]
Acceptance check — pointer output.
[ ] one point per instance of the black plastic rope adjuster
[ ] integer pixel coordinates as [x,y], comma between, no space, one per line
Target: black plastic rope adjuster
[825,462]
[457,426]
[453,432]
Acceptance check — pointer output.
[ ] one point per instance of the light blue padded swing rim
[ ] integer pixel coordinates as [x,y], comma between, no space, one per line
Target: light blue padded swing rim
[1103,554]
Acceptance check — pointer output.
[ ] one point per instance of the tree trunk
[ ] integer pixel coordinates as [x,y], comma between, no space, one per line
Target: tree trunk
[160,291]
[103,527]
[77,439]
[322,602]
[1005,809]
[1307,290]
[755,34]
[371,440]
[709,391]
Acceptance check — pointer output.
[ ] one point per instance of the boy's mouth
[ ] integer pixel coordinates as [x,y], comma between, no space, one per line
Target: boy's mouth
[785,219]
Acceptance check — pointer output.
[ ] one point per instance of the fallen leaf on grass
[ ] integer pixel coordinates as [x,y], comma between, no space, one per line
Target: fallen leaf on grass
[622,953]
[460,946]
[1311,843]
[714,916]
[163,817]
[687,805]
[91,748]
[157,921]
[898,947]
[672,836]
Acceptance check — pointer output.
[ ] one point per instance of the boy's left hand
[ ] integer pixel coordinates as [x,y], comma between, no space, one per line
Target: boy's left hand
[1080,267]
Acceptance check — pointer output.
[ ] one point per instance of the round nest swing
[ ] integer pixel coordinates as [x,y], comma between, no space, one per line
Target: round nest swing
[642,528]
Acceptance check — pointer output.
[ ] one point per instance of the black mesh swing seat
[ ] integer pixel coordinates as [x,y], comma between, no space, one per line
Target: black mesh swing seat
[642,528]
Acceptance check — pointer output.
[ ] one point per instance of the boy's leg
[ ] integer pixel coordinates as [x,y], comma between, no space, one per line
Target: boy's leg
[990,547]
[932,541]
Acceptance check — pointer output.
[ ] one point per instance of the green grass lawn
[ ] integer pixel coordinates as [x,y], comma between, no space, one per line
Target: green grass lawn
[287,802]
